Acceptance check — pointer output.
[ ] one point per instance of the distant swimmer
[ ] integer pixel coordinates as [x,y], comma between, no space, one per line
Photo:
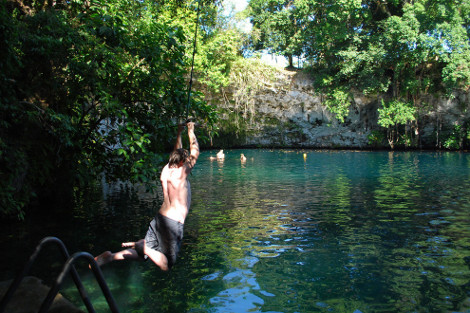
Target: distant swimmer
[220,156]
[163,239]
[243,158]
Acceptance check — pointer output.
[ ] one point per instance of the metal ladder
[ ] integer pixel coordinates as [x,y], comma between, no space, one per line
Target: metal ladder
[68,267]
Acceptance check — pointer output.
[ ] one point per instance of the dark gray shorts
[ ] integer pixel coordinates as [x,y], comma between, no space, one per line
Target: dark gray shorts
[164,235]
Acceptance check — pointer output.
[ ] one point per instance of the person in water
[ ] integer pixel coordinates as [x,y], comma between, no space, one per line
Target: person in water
[220,156]
[163,239]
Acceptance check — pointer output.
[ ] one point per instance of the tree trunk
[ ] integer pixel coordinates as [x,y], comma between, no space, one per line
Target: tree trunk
[290,58]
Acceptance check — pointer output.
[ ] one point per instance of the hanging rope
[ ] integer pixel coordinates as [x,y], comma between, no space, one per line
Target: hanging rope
[192,63]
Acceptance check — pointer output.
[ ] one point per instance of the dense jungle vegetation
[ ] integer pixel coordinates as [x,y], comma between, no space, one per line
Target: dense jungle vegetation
[96,87]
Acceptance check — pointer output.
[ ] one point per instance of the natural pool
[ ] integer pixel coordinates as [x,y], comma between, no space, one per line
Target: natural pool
[328,231]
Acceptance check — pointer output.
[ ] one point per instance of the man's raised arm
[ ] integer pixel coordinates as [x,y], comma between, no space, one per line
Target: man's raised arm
[179,142]
[193,145]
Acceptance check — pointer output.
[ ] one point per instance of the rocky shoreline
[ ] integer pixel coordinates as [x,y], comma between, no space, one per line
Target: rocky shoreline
[30,295]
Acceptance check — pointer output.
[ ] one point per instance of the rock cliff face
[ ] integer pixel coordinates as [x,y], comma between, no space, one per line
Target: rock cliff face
[287,112]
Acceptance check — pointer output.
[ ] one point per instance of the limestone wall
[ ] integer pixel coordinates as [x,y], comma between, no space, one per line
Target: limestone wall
[288,112]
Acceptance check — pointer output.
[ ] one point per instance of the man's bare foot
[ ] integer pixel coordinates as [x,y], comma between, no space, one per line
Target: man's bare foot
[128,245]
[104,258]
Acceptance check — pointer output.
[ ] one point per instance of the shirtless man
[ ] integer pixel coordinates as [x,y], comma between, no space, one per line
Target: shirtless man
[163,239]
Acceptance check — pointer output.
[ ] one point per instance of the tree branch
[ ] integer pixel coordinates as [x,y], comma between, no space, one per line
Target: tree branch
[23,7]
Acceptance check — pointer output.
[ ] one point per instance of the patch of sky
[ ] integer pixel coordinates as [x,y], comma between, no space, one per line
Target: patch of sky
[231,8]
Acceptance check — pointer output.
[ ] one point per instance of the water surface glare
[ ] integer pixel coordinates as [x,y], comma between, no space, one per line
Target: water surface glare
[302,231]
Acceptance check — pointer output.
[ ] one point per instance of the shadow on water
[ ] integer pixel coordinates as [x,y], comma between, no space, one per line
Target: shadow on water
[101,218]
[288,231]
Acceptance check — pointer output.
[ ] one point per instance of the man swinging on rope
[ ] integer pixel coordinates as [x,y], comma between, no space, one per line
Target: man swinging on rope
[163,239]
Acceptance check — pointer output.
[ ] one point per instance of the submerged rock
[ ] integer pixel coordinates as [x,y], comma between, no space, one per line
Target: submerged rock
[30,295]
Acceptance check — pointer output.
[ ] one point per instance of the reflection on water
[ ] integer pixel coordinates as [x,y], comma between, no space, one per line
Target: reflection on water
[324,231]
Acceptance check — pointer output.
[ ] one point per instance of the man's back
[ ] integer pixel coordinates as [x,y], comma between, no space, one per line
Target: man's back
[177,193]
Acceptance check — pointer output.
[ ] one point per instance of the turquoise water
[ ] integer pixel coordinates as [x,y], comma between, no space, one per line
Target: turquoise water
[328,231]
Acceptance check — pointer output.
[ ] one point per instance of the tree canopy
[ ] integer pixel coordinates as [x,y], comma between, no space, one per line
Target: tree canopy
[91,88]
[401,48]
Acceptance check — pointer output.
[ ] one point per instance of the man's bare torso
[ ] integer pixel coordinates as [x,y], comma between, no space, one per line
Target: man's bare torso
[177,193]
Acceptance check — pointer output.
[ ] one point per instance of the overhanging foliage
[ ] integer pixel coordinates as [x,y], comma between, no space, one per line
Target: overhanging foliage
[90,88]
